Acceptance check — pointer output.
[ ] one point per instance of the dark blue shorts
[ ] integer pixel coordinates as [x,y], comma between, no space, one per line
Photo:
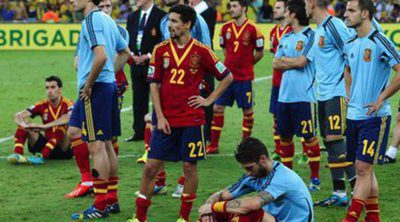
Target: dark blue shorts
[185,144]
[241,91]
[367,139]
[273,103]
[98,117]
[296,119]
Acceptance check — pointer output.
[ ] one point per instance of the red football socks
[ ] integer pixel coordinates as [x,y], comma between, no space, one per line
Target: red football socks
[181,180]
[100,194]
[112,188]
[372,210]
[160,178]
[81,154]
[142,205]
[355,210]
[216,128]
[55,138]
[19,140]
[314,156]
[247,125]
[186,205]
[287,153]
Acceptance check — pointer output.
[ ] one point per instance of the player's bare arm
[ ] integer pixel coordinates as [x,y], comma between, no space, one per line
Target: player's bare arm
[295,63]
[222,195]
[162,123]
[100,58]
[277,63]
[347,80]
[393,87]
[121,58]
[63,120]
[198,101]
[258,56]
[22,118]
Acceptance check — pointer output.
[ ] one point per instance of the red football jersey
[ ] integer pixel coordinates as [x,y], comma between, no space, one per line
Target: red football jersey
[239,43]
[122,82]
[180,72]
[49,113]
[275,35]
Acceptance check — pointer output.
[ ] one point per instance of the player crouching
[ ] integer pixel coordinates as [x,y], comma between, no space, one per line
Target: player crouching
[281,193]
[53,144]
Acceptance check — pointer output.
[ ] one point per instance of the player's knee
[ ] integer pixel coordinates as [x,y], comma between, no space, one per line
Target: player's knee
[150,170]
[189,169]
[218,109]
[73,132]
[363,169]
[336,151]
[248,111]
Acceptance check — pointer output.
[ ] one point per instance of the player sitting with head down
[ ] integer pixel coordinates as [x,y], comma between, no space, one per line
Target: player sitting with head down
[176,70]
[53,144]
[281,193]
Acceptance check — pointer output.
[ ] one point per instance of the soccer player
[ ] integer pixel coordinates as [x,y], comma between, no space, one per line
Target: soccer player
[243,46]
[81,153]
[297,91]
[53,144]
[330,35]
[281,193]
[176,70]
[276,34]
[390,156]
[370,57]
[96,111]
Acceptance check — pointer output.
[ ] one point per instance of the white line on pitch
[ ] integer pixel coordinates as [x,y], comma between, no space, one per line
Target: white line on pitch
[127,109]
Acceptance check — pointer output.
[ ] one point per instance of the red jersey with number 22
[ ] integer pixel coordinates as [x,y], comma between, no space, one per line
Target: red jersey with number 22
[239,43]
[180,72]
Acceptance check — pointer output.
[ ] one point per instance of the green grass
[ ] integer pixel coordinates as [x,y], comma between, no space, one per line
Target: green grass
[30,193]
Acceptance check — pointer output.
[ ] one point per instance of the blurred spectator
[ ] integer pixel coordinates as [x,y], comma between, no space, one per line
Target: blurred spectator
[66,12]
[379,7]
[115,13]
[330,9]
[395,17]
[7,13]
[20,11]
[32,11]
[50,16]
[125,10]
[266,12]
[340,9]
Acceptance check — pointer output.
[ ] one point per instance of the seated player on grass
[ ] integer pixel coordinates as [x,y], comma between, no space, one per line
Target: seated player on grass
[281,194]
[53,144]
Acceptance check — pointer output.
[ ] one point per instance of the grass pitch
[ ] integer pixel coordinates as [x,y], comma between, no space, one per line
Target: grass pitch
[36,193]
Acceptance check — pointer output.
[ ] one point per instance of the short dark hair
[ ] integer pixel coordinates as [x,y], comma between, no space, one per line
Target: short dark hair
[56,79]
[187,13]
[250,150]
[323,3]
[96,2]
[243,3]
[298,7]
[367,5]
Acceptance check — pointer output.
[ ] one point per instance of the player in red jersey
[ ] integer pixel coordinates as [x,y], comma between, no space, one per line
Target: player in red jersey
[176,71]
[53,144]
[239,38]
[277,32]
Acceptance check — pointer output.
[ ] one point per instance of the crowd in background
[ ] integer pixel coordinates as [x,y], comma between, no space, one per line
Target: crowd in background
[61,11]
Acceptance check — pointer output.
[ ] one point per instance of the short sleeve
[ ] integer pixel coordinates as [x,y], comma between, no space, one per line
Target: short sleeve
[309,43]
[93,30]
[216,67]
[121,42]
[279,51]
[240,188]
[259,40]
[276,190]
[389,53]
[222,40]
[339,34]
[35,110]
[154,73]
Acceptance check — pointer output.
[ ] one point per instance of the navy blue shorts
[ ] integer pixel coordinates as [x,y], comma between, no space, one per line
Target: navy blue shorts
[296,119]
[185,144]
[273,103]
[99,117]
[332,116]
[57,153]
[367,139]
[241,91]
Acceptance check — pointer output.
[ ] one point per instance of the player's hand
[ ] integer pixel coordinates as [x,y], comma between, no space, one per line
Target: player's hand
[141,60]
[205,213]
[163,125]
[35,126]
[86,92]
[347,99]
[374,107]
[198,101]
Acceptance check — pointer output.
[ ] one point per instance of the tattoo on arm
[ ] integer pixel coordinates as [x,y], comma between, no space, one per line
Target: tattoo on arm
[265,198]
[233,204]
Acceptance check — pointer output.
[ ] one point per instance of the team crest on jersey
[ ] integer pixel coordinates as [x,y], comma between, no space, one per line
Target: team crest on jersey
[367,55]
[299,45]
[228,33]
[194,63]
[166,62]
[321,42]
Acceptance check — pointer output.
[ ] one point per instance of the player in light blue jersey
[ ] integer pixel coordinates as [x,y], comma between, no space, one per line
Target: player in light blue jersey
[370,58]
[199,31]
[327,55]
[375,24]
[297,93]
[96,112]
[281,194]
